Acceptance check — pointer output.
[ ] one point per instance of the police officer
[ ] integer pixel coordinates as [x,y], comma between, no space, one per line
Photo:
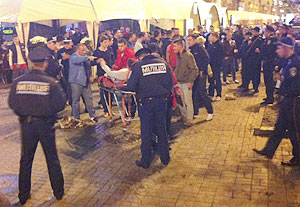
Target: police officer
[242,54]
[36,98]
[63,55]
[54,68]
[253,61]
[288,118]
[152,81]
[269,57]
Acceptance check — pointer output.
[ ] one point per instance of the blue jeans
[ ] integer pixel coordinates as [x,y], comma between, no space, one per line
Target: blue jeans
[153,118]
[77,92]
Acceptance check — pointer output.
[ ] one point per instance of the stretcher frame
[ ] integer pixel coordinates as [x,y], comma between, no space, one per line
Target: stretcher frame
[113,92]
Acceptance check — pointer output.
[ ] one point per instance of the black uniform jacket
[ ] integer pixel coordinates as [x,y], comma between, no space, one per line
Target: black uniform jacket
[36,94]
[290,85]
[201,56]
[252,56]
[216,54]
[151,77]
[65,63]
[53,68]
[268,51]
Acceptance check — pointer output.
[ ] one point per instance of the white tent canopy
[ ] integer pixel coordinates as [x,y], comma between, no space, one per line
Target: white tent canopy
[44,11]
[24,11]
[9,13]
[70,11]
[129,9]
[166,9]
[184,8]
[136,9]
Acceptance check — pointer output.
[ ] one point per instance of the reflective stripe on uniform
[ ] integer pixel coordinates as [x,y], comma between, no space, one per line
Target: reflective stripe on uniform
[156,68]
[33,88]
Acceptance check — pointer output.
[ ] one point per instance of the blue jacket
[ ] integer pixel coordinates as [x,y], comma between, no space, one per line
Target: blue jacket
[80,69]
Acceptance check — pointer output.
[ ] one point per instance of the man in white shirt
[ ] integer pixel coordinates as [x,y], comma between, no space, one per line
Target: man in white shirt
[17,57]
[139,41]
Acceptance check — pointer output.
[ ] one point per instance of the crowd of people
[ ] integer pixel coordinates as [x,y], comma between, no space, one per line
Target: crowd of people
[163,68]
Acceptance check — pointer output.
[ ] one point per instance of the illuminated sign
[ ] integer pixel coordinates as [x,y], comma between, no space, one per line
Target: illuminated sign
[8,30]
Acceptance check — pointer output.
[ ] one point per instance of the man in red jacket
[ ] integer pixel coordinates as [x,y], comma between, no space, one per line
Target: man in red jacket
[124,53]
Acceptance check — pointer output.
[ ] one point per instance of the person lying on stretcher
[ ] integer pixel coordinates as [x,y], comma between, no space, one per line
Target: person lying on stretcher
[118,79]
[119,75]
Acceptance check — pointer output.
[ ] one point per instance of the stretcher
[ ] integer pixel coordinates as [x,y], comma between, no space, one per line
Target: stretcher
[116,91]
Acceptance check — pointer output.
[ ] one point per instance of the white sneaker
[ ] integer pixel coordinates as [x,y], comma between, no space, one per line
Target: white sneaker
[196,116]
[218,98]
[94,120]
[227,82]
[209,117]
[236,81]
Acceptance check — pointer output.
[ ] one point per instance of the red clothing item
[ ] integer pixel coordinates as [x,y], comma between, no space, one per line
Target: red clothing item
[175,89]
[122,58]
[173,55]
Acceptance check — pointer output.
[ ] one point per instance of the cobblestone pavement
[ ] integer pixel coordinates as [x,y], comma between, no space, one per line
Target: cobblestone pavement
[212,164]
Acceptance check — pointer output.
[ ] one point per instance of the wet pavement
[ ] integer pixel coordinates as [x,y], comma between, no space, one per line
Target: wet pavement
[212,163]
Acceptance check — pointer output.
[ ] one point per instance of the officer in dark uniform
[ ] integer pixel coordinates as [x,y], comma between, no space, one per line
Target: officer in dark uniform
[253,61]
[242,52]
[152,81]
[269,57]
[288,118]
[36,98]
[64,55]
[54,68]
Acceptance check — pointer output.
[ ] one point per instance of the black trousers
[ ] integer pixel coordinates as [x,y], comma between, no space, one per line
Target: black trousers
[287,121]
[67,87]
[102,100]
[153,118]
[215,82]
[200,95]
[169,116]
[268,69]
[8,75]
[252,73]
[32,133]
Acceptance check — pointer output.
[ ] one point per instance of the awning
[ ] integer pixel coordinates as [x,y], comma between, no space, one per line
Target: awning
[43,11]
[165,10]
[184,8]
[244,15]
[129,9]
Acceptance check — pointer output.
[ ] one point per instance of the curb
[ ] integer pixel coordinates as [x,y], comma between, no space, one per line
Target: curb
[260,130]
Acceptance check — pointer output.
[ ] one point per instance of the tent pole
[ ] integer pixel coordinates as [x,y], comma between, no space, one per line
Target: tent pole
[94,10]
